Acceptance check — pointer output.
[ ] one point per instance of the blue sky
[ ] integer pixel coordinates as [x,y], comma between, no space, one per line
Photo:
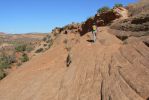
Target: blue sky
[23,16]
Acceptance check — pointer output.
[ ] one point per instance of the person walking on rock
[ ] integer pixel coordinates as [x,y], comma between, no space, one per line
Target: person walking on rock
[94,32]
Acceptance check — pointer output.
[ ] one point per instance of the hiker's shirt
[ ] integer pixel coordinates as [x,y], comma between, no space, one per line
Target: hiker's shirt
[94,28]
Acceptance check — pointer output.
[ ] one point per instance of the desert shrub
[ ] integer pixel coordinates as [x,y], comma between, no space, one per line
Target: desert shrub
[39,50]
[50,43]
[12,42]
[4,64]
[45,38]
[49,36]
[29,48]
[20,48]
[24,58]
[103,9]
[118,5]
[49,40]
[2,74]
[6,61]
[11,59]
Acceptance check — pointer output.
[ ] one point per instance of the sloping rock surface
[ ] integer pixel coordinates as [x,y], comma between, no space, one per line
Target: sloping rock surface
[106,70]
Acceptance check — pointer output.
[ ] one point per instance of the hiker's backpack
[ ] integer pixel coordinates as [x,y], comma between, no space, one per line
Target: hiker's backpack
[94,28]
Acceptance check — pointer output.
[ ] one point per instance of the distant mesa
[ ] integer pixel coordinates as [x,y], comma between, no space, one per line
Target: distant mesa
[2,33]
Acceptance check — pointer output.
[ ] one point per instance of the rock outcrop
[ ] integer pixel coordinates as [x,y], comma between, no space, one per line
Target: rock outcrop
[138,8]
[138,22]
[102,19]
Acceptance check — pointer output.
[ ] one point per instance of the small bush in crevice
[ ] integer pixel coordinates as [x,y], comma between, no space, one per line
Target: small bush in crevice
[118,5]
[39,50]
[68,60]
[103,9]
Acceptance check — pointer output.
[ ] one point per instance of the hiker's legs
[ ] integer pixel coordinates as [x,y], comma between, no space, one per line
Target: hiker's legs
[94,36]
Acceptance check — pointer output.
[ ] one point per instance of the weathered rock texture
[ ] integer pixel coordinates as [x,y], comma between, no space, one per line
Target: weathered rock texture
[138,22]
[106,70]
[102,19]
[139,8]
[116,67]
